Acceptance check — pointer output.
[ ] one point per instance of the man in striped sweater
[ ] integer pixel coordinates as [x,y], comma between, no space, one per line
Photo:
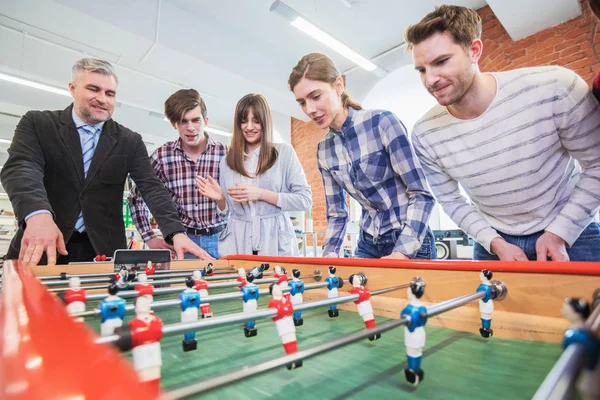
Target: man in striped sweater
[523,144]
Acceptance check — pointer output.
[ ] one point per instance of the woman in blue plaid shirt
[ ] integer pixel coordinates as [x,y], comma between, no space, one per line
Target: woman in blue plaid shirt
[367,154]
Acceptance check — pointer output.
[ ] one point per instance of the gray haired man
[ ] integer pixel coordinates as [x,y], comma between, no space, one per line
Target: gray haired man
[66,173]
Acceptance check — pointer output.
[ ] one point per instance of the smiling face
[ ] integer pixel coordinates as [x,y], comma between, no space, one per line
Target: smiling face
[191,127]
[94,96]
[321,101]
[251,129]
[446,68]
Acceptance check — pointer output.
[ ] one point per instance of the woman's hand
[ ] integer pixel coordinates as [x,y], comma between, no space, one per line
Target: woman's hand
[242,192]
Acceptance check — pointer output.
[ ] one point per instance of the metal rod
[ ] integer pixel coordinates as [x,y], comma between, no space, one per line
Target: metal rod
[208,299]
[151,278]
[62,289]
[133,283]
[56,277]
[561,378]
[448,305]
[229,319]
[133,293]
[247,372]
[83,281]
[108,274]
[559,382]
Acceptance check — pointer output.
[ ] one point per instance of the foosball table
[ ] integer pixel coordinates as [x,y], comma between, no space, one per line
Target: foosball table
[269,327]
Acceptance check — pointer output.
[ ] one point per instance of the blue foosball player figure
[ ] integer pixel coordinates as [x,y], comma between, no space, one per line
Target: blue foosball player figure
[296,292]
[333,284]
[190,305]
[250,298]
[486,305]
[414,333]
[112,311]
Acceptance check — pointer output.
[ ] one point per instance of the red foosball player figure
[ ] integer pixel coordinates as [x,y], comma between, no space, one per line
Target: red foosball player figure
[150,268]
[143,287]
[363,304]
[241,278]
[281,275]
[201,286]
[284,322]
[146,332]
[75,297]
[100,258]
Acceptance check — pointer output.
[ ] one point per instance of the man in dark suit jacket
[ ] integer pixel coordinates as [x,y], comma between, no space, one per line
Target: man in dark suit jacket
[66,172]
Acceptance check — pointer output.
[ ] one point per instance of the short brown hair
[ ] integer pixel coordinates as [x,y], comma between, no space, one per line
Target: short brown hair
[464,24]
[268,153]
[319,67]
[181,102]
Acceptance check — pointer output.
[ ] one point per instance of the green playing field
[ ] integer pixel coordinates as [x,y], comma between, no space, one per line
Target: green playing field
[457,365]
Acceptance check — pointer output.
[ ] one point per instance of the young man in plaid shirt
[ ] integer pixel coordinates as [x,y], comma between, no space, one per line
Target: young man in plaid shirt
[177,164]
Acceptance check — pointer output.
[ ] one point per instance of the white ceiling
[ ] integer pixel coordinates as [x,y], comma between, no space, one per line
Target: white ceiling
[223,48]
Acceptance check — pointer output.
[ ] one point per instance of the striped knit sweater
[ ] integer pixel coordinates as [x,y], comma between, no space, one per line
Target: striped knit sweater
[520,161]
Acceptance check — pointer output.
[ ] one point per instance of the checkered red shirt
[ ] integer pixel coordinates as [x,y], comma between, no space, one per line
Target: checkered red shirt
[178,172]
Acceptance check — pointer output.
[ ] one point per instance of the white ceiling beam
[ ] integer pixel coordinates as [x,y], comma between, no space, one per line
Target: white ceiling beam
[524,18]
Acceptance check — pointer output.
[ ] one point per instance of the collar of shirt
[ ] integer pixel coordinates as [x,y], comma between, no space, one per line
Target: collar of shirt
[254,153]
[209,143]
[79,122]
[347,123]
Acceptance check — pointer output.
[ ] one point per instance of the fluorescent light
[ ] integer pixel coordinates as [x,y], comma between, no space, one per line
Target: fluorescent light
[332,43]
[318,34]
[35,85]
[5,141]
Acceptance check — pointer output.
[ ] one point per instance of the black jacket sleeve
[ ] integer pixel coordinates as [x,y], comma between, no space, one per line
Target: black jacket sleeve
[23,173]
[153,191]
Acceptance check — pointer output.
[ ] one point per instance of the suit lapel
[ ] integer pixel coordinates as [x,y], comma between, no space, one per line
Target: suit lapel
[70,138]
[108,140]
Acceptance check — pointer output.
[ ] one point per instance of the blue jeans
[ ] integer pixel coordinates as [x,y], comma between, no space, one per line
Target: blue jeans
[209,243]
[585,248]
[368,248]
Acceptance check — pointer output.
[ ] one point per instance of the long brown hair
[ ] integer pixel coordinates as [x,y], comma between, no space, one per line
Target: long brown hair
[268,153]
[319,67]
[464,24]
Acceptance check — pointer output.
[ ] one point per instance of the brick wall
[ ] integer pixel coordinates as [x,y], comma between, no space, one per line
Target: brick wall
[305,137]
[574,44]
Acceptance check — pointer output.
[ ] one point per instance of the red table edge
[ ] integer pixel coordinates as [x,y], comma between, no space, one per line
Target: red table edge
[49,319]
[531,267]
